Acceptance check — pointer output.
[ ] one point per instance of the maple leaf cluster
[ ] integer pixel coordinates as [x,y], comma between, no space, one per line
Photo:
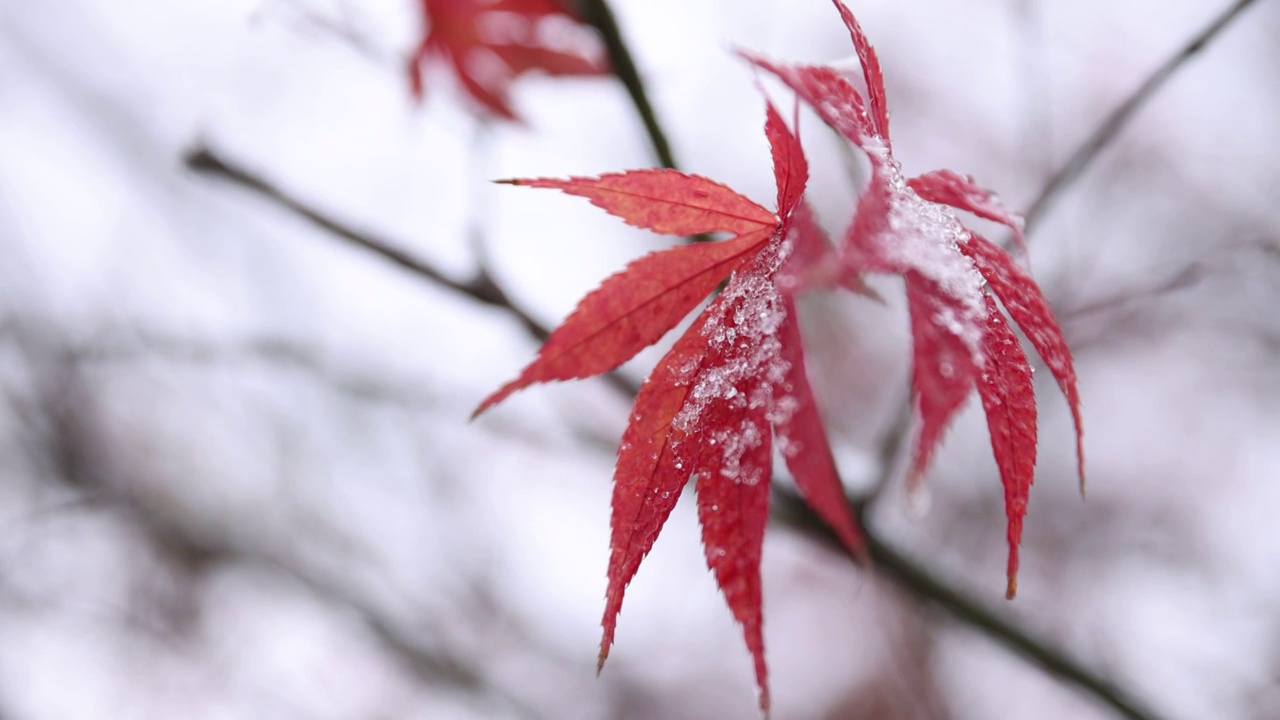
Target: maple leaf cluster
[734,388]
[490,43]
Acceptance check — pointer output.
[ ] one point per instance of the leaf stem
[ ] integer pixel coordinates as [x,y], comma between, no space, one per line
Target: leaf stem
[1119,118]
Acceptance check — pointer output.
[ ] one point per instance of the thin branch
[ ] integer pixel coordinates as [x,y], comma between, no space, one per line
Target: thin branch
[597,14]
[927,586]
[482,287]
[204,160]
[1122,115]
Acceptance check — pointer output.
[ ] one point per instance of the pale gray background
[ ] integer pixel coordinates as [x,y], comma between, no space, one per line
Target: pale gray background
[237,475]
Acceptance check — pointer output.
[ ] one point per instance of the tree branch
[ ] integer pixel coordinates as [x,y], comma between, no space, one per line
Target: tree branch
[1111,126]
[929,587]
[597,14]
[481,288]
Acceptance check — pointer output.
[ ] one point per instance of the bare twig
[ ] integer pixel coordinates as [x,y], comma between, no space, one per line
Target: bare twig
[481,287]
[1088,151]
[597,14]
[927,586]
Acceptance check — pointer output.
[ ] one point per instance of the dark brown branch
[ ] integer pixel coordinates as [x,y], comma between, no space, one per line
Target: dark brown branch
[204,160]
[597,14]
[1122,115]
[481,287]
[927,586]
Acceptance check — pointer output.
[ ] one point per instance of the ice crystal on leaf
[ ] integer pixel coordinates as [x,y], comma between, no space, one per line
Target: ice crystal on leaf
[734,385]
[959,338]
[733,382]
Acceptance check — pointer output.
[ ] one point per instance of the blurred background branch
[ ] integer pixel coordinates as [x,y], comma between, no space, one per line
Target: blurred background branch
[1083,156]
[235,474]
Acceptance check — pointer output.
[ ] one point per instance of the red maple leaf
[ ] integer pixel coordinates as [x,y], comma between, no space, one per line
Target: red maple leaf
[732,387]
[960,340]
[489,43]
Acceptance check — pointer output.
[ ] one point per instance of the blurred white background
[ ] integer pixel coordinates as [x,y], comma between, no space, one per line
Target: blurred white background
[239,481]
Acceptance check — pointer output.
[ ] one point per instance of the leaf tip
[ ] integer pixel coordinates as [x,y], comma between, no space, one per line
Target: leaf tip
[508,181]
[1012,589]
[502,394]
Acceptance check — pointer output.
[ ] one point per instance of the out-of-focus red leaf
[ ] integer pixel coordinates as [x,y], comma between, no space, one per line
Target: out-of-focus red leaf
[489,44]
[802,440]
[1009,399]
[666,201]
[630,311]
[811,261]
[870,72]
[964,193]
[1028,307]
[942,364]
[828,92]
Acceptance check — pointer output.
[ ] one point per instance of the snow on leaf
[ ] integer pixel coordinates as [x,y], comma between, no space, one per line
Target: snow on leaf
[906,228]
[898,231]
[714,402]
[666,201]
[1008,397]
[729,412]
[489,44]
[1028,307]
[705,410]
[964,193]
[630,311]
